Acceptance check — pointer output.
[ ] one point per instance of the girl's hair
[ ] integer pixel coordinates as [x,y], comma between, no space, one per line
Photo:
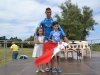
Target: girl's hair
[38,30]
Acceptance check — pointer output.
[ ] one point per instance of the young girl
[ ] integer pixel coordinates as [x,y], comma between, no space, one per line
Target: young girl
[38,48]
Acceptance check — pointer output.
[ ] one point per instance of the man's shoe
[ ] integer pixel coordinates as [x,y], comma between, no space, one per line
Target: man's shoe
[47,69]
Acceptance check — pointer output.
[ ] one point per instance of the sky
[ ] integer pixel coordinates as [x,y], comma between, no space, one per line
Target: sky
[19,18]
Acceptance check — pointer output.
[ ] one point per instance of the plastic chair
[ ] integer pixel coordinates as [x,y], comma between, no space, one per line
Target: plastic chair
[69,48]
[86,48]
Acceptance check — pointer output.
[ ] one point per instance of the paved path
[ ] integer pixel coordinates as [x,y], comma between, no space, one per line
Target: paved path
[88,66]
[95,53]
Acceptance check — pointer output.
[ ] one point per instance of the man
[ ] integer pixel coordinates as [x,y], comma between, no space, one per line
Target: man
[46,23]
[14,48]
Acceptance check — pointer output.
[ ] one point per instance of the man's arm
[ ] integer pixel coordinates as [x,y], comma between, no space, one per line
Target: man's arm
[18,47]
[63,34]
[10,50]
[66,39]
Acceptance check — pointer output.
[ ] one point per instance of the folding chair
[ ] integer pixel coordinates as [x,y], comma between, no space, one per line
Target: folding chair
[63,52]
[79,49]
[69,48]
[86,48]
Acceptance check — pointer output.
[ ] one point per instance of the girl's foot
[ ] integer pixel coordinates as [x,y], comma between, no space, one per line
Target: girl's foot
[42,70]
[37,71]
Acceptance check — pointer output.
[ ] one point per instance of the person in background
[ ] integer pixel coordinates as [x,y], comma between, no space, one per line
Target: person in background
[14,49]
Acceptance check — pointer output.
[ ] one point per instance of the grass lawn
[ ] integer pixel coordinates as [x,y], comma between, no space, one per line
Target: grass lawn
[23,51]
[96,47]
[28,52]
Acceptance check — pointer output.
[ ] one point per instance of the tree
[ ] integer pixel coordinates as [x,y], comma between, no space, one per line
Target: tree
[31,38]
[2,38]
[76,22]
[15,39]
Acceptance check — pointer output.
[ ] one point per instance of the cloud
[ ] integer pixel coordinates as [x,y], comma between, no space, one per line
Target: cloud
[21,17]
[94,34]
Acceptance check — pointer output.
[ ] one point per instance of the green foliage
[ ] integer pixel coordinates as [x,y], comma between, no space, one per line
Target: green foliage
[76,22]
[15,39]
[31,38]
[22,51]
[96,47]
[25,45]
[3,38]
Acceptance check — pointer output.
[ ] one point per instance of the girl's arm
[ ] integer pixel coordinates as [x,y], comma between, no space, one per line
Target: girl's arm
[36,41]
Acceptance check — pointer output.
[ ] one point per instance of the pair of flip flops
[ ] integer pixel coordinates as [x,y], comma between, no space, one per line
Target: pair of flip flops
[39,71]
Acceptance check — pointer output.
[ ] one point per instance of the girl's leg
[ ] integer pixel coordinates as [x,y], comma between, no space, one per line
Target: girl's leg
[40,68]
[37,68]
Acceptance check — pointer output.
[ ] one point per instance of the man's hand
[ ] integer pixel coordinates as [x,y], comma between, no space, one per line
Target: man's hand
[66,39]
[9,52]
[60,41]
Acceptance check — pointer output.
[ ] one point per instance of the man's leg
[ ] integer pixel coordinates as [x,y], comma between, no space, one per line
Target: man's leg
[13,56]
[66,39]
[16,54]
